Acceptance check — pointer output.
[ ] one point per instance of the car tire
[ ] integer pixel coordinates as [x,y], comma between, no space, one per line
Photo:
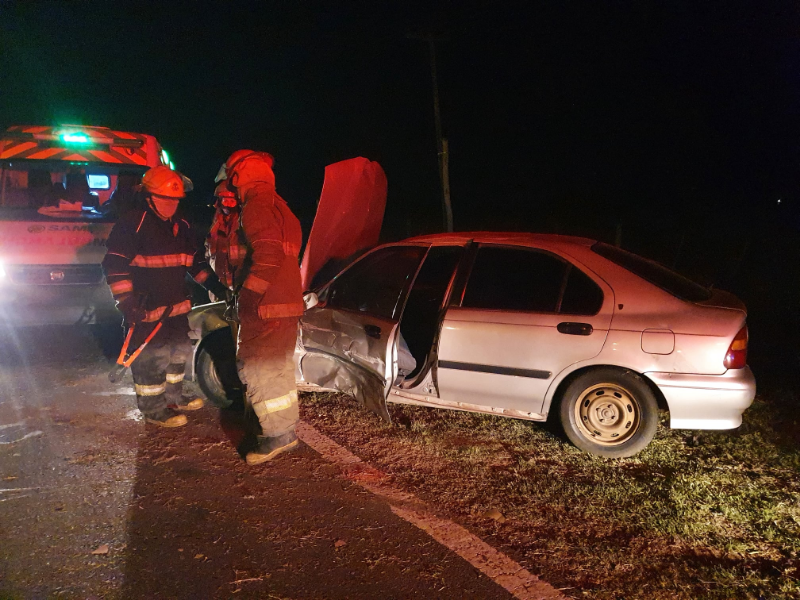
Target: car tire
[215,369]
[609,412]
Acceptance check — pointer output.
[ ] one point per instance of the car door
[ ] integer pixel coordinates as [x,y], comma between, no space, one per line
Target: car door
[348,342]
[525,315]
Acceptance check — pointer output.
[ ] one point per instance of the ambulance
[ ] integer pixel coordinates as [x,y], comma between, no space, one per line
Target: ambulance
[61,190]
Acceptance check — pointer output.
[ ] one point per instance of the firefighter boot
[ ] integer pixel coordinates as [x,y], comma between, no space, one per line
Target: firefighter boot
[269,447]
[166,417]
[185,403]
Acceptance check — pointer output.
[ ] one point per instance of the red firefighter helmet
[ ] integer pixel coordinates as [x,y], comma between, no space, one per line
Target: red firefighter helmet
[237,156]
[163,181]
[234,158]
[226,196]
[245,167]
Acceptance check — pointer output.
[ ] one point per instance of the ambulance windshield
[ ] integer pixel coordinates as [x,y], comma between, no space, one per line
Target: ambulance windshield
[45,190]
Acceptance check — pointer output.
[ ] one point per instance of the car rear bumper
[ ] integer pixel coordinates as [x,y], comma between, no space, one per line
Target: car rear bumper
[706,401]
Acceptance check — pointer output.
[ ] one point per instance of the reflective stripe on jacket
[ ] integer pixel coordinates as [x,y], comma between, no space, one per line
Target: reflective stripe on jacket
[151,257]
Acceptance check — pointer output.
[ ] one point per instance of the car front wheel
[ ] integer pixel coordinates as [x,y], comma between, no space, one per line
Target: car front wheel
[216,369]
[609,412]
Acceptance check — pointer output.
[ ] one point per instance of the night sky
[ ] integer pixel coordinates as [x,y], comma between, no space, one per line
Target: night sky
[669,126]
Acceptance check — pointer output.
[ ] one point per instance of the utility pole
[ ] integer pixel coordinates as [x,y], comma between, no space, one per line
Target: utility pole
[442,147]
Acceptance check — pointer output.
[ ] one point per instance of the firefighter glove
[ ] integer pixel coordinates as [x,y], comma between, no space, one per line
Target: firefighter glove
[247,304]
[132,309]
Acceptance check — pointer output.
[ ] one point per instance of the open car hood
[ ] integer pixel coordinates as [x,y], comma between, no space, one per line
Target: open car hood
[348,220]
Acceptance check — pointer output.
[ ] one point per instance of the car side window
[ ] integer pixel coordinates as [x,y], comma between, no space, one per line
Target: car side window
[435,275]
[520,279]
[376,283]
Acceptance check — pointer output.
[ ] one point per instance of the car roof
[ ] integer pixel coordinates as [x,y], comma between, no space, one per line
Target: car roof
[511,237]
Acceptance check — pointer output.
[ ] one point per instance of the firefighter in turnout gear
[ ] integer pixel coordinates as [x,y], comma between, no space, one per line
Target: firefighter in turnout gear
[149,253]
[225,245]
[270,303]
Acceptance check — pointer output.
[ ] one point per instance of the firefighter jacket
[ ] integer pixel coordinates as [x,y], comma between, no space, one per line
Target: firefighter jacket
[226,249]
[273,237]
[150,257]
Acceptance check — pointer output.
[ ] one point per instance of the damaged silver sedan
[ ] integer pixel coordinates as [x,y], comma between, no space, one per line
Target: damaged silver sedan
[521,326]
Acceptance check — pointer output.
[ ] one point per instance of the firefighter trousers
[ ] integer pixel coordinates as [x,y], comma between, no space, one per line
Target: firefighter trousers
[266,367]
[159,369]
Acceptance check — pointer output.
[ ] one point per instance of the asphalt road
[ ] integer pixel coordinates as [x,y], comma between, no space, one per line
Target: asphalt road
[94,503]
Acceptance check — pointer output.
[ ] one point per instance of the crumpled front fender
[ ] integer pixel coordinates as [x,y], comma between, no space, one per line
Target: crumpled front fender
[205,319]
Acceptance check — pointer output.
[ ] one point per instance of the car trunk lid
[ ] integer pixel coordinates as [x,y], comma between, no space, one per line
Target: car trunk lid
[722,299]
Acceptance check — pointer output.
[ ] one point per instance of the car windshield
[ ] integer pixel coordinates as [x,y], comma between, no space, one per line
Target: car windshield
[655,273]
[57,190]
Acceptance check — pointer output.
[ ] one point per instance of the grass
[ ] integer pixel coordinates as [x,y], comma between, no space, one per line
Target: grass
[695,515]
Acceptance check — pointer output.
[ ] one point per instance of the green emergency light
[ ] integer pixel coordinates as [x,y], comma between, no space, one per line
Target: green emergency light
[75,138]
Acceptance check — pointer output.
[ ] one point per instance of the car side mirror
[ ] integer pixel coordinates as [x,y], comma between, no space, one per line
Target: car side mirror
[310,299]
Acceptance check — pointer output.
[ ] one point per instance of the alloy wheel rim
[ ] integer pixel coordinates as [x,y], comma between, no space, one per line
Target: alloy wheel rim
[607,414]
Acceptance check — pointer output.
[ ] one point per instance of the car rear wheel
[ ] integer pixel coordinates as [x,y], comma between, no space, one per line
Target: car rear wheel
[609,413]
[216,369]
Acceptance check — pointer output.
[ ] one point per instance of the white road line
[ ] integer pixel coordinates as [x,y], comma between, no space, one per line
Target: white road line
[125,391]
[488,560]
[15,498]
[24,437]
[17,424]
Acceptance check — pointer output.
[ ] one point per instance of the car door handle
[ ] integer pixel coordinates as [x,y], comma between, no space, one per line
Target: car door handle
[373,331]
[575,328]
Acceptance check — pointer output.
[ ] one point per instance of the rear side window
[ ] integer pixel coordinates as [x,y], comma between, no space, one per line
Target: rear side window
[582,296]
[655,273]
[516,279]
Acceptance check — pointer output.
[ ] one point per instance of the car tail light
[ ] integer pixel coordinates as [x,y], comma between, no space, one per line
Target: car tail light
[736,356]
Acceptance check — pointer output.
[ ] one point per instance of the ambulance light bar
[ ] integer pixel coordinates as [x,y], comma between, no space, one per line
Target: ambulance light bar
[67,136]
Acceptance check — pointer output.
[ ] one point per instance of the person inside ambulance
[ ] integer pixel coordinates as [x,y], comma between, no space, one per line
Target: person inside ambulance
[40,188]
[73,190]
[77,189]
[126,195]
[150,251]
[269,306]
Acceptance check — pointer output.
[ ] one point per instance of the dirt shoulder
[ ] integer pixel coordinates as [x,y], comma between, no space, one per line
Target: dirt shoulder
[714,515]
